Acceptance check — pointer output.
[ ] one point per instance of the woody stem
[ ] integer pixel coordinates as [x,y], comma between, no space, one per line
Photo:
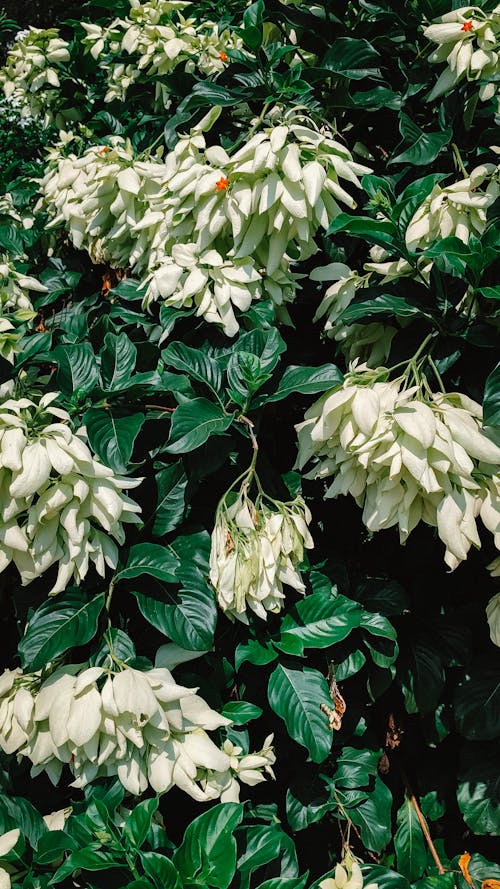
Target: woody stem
[423,825]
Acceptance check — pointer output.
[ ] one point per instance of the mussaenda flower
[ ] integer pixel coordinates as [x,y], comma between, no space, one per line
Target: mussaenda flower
[256,548]
[406,455]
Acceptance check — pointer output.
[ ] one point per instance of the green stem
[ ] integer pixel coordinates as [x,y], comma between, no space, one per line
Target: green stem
[458,158]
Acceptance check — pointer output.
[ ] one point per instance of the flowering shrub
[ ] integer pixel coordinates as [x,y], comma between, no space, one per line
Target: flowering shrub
[248,264]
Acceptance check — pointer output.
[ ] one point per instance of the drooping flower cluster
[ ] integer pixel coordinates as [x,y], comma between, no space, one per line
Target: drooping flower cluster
[58,504]
[30,77]
[250,768]
[469,42]
[457,210]
[406,455]
[138,725]
[368,342]
[256,548]
[153,40]
[205,228]
[347,875]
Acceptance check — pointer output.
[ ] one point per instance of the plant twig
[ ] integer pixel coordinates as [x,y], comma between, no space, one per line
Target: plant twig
[423,825]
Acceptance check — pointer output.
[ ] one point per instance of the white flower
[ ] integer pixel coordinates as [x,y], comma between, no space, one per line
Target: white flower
[140,726]
[58,504]
[205,229]
[457,210]
[346,876]
[256,548]
[469,42]
[406,456]
[30,75]
[248,768]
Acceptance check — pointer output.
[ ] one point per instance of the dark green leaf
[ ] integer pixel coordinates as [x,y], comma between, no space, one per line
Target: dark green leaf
[424,147]
[171,484]
[150,558]
[352,58]
[306,380]
[112,437]
[409,842]
[241,712]
[59,623]
[77,368]
[491,403]
[117,361]
[193,422]
[296,695]
[209,846]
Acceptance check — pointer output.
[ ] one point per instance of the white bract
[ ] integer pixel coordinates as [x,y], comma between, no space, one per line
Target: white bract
[457,210]
[151,42]
[367,342]
[406,455]
[58,504]
[469,43]
[248,768]
[347,875]
[30,77]
[204,228]
[256,548]
[140,726]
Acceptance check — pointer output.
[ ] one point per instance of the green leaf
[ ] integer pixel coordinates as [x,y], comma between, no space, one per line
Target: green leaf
[478,791]
[352,58]
[195,364]
[306,380]
[267,345]
[385,304]
[296,695]
[424,147]
[209,846]
[118,359]
[77,368]
[171,484]
[15,811]
[193,422]
[254,652]
[375,231]
[491,403]
[60,623]
[52,845]
[318,622]
[477,703]
[112,437]
[188,619]
[241,712]
[150,558]
[161,870]
[383,877]
[306,805]
[137,825]
[264,844]
[373,817]
[91,858]
[409,843]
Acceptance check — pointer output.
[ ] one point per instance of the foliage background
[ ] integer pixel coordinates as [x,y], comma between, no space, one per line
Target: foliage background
[430,665]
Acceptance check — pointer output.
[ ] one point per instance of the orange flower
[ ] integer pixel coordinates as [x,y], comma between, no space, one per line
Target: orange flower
[490,884]
[463,863]
[467,26]
[104,150]
[223,56]
[222,184]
